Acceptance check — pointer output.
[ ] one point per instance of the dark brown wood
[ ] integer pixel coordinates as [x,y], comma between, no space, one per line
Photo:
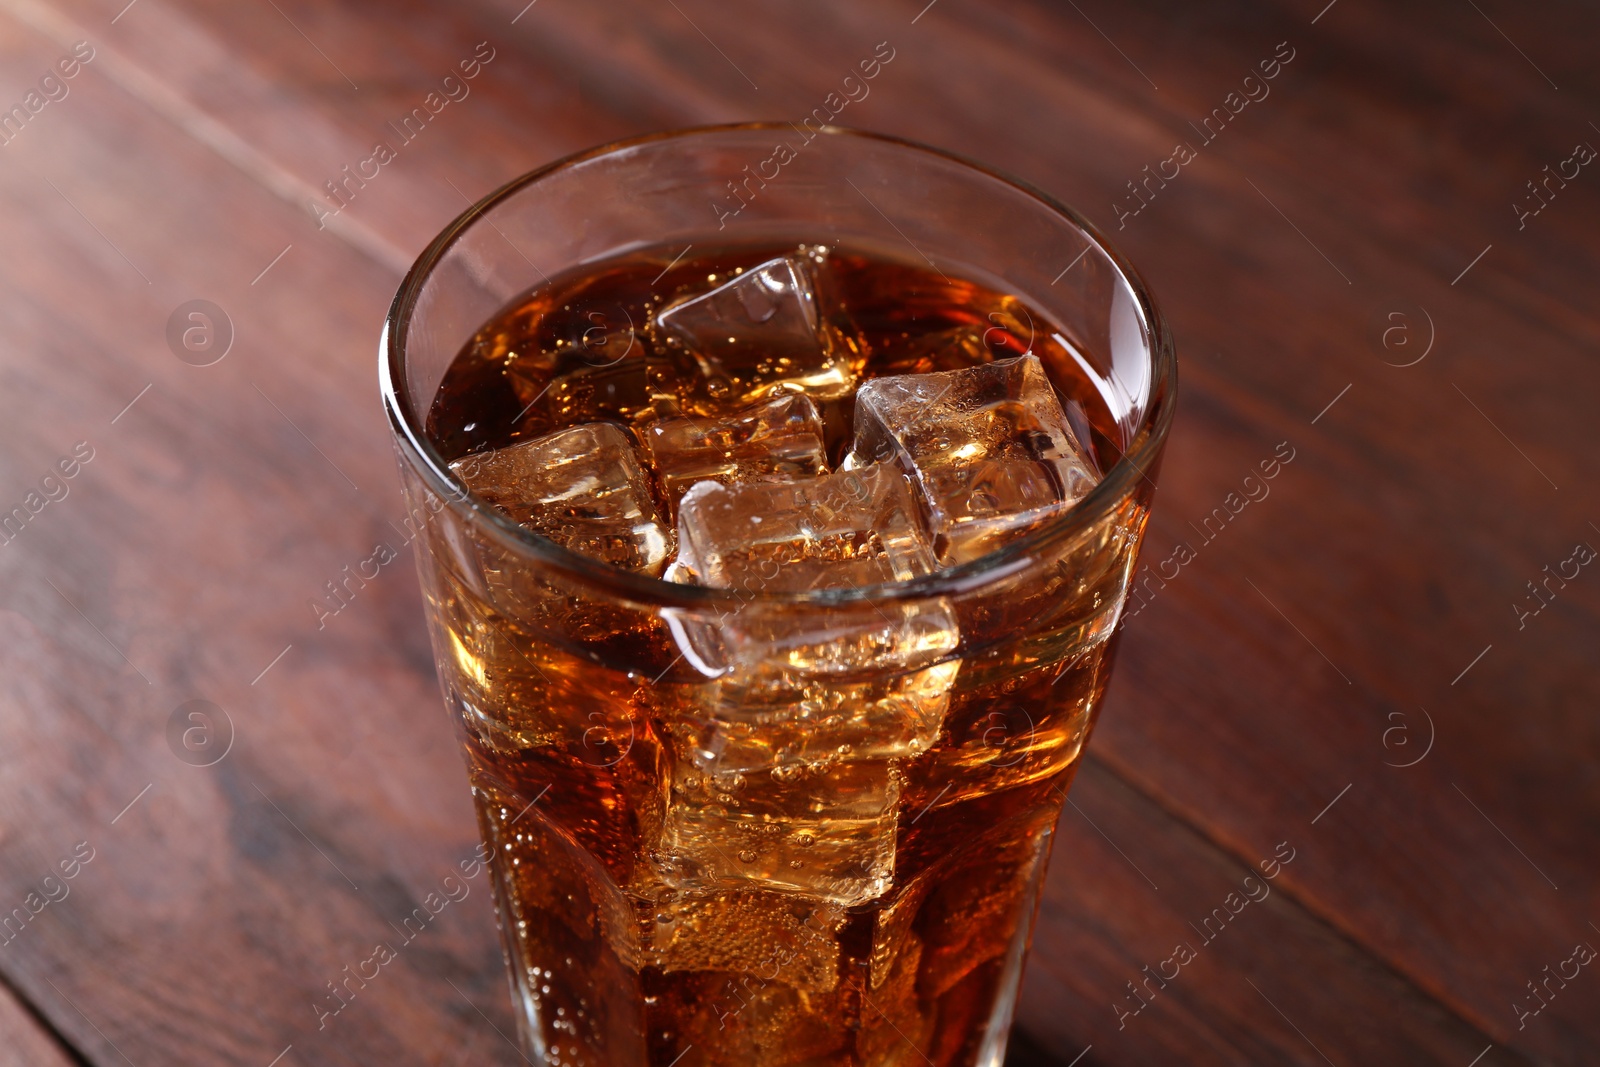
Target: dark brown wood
[1328,633]
[1135,897]
[26,1040]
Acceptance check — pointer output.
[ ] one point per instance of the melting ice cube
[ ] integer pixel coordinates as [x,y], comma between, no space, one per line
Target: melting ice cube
[990,447]
[845,530]
[775,439]
[759,334]
[777,936]
[770,715]
[581,487]
[825,830]
[785,771]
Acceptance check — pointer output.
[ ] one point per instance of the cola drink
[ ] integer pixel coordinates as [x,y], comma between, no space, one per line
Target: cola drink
[770,763]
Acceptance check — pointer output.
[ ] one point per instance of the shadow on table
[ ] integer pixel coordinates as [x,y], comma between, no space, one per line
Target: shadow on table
[1024,1051]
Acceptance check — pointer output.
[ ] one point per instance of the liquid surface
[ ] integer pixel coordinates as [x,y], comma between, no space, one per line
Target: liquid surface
[763,838]
[570,351]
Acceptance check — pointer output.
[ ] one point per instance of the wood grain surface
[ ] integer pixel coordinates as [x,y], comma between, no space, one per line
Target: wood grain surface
[1352,666]
[24,1039]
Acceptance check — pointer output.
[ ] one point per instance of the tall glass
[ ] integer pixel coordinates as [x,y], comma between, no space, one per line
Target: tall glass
[869,902]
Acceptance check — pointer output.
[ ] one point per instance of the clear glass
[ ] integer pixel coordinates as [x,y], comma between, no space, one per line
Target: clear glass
[576,703]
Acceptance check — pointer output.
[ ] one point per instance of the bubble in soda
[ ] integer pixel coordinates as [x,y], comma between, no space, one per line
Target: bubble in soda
[753,834]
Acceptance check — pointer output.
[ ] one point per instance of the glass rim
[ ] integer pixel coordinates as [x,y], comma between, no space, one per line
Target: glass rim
[408,425]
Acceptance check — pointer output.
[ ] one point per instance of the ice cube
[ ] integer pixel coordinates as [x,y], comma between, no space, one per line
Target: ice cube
[892,935]
[779,438]
[759,334]
[724,1019]
[581,487]
[785,768]
[826,830]
[897,1024]
[681,570]
[990,447]
[845,530]
[781,937]
[854,680]
[767,715]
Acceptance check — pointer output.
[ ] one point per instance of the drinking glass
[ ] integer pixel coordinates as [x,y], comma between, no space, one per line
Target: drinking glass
[578,693]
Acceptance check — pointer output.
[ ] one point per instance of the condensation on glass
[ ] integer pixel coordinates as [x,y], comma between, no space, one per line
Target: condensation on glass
[755,821]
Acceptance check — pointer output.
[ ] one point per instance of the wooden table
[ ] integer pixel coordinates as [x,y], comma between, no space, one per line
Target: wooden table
[1353,668]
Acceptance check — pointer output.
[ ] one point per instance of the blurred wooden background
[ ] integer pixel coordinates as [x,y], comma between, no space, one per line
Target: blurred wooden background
[1383,260]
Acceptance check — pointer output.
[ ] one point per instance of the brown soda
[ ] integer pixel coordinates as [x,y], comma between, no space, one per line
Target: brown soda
[576,716]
